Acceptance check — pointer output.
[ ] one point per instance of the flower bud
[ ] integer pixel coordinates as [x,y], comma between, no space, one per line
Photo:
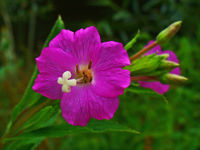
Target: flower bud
[173,79]
[163,56]
[169,65]
[169,32]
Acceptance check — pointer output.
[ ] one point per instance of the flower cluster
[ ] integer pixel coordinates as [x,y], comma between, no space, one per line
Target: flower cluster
[157,86]
[88,75]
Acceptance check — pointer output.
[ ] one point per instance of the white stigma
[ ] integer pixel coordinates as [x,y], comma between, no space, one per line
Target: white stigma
[66,82]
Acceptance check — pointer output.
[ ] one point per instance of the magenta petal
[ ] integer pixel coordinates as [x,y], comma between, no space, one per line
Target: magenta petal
[102,107]
[47,86]
[87,45]
[75,106]
[64,40]
[112,55]
[155,85]
[111,83]
[173,57]
[51,64]
[81,104]
[55,61]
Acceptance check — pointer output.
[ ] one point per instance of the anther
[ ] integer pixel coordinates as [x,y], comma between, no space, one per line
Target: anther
[90,65]
[77,69]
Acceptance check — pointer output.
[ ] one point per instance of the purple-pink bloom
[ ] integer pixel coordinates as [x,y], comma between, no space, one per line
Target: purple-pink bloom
[85,73]
[156,85]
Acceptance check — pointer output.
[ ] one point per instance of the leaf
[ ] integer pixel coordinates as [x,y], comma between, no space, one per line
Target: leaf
[58,26]
[141,90]
[26,99]
[109,126]
[65,129]
[132,42]
[23,144]
[144,91]
[44,117]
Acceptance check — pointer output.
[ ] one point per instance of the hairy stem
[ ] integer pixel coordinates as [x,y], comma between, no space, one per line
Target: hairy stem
[144,78]
[144,50]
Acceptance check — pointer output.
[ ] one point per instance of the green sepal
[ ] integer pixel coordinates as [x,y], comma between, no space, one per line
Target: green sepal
[146,64]
[169,32]
[169,78]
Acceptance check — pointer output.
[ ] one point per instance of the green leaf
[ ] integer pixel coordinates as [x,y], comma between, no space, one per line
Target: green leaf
[44,117]
[29,93]
[136,89]
[65,129]
[58,26]
[132,42]
[30,144]
[141,90]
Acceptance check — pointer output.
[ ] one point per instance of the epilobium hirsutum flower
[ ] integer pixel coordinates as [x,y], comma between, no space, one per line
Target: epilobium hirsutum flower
[156,85]
[84,73]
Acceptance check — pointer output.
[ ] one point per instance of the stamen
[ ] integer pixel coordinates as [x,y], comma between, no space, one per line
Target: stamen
[66,82]
[90,65]
[77,69]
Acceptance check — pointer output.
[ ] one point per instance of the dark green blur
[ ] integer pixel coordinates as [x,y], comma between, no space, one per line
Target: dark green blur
[170,124]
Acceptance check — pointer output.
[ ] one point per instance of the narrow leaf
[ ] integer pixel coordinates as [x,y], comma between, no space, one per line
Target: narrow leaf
[65,129]
[132,42]
[145,91]
[26,99]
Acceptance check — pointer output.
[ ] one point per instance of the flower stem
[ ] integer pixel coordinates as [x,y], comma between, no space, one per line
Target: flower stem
[144,78]
[144,50]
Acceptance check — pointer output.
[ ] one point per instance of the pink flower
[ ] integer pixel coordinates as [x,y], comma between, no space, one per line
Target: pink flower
[84,73]
[156,85]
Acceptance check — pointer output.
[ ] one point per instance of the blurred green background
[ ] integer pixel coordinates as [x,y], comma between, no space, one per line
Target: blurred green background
[25,24]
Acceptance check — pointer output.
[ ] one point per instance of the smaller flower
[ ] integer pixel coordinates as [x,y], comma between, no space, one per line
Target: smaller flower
[156,85]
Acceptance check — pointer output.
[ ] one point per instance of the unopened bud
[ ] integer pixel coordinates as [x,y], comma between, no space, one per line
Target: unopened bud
[163,56]
[173,79]
[169,32]
[169,65]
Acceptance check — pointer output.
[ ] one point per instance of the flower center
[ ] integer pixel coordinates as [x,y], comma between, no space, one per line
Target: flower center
[84,75]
